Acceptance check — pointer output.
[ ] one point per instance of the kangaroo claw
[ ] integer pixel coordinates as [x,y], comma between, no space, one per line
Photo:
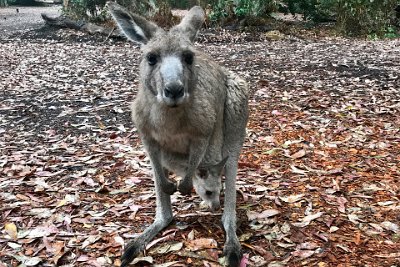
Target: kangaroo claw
[130,252]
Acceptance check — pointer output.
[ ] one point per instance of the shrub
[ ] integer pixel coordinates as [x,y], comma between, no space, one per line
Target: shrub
[353,17]
[376,18]
[94,10]
[84,9]
[314,10]
[229,10]
[365,17]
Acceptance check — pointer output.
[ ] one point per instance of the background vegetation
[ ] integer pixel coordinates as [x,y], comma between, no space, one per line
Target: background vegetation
[374,18]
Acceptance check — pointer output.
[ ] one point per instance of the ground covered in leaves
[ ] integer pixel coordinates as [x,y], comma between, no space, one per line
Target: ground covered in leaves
[318,183]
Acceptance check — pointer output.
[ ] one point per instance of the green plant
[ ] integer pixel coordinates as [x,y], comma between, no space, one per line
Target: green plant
[94,10]
[353,17]
[220,10]
[76,9]
[85,9]
[391,33]
[365,17]
[314,10]
[227,10]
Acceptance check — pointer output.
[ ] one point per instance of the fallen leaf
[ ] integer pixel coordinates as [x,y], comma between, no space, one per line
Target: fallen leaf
[90,240]
[306,220]
[303,254]
[252,215]
[27,261]
[11,230]
[292,198]
[390,226]
[342,201]
[201,243]
[167,264]
[357,238]
[353,218]
[299,154]
[297,170]
[395,255]
[169,247]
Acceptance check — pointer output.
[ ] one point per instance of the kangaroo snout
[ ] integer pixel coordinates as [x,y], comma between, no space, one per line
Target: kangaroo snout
[215,206]
[174,91]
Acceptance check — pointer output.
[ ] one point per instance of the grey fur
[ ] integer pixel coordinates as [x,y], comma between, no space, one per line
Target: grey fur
[187,107]
[206,181]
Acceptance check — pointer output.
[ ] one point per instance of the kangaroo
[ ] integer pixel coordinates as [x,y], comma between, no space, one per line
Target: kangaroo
[206,181]
[207,184]
[187,105]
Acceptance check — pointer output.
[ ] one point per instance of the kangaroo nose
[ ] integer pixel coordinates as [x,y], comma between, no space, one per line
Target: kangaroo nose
[174,90]
[215,206]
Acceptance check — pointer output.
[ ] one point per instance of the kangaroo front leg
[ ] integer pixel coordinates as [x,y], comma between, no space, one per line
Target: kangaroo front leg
[232,248]
[197,150]
[160,174]
[163,218]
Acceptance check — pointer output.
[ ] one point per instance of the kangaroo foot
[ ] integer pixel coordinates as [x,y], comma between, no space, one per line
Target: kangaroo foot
[233,254]
[131,251]
[169,187]
[185,186]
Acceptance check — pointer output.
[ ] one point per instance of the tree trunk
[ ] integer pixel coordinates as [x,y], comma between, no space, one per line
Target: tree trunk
[64,22]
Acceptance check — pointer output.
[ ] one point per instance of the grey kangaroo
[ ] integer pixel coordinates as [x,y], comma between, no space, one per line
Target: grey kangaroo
[187,107]
[206,181]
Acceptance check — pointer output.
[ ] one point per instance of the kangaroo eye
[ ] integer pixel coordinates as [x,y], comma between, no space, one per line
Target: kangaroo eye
[209,193]
[188,57]
[152,59]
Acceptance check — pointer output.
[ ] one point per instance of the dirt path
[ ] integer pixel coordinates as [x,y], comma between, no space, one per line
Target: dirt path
[25,19]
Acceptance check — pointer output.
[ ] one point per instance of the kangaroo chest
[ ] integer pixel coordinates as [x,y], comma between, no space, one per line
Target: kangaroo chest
[174,129]
[172,142]
[170,130]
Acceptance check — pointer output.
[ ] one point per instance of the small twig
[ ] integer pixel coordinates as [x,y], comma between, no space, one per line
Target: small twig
[111,32]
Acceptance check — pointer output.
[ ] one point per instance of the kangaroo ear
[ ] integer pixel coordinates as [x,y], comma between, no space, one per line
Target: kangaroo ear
[219,167]
[223,162]
[192,22]
[135,27]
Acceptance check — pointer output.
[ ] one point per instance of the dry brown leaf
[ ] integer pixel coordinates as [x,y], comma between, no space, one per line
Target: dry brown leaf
[201,243]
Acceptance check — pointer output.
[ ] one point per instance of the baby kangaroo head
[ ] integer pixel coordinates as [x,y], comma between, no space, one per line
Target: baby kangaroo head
[207,183]
[168,62]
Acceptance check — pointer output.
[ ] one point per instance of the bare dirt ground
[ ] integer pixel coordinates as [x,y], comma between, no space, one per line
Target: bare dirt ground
[27,18]
[319,179]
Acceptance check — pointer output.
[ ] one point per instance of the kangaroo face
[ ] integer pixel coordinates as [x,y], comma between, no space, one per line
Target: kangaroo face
[207,183]
[208,188]
[169,70]
[167,66]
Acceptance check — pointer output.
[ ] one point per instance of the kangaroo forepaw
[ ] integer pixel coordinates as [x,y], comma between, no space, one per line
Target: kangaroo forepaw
[185,186]
[169,187]
[233,254]
[131,251]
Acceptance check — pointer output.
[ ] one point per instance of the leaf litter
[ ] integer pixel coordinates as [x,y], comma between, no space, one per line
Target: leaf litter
[319,174]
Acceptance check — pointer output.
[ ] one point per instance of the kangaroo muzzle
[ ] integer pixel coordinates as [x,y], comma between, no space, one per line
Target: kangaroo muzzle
[174,90]
[171,72]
